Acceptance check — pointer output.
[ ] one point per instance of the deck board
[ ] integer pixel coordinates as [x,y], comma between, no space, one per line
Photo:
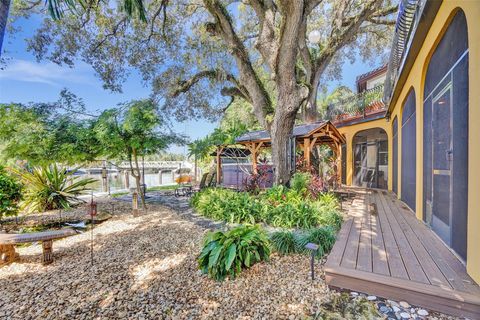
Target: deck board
[445,260]
[391,254]
[433,273]
[350,255]
[410,260]
[364,261]
[395,262]
[379,253]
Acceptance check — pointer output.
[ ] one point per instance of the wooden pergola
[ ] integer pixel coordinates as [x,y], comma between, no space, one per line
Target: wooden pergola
[306,136]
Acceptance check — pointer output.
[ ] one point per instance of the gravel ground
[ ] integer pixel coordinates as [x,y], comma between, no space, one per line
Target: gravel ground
[145,268]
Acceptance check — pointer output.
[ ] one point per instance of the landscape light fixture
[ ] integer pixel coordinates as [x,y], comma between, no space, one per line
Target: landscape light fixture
[313,247]
[314,37]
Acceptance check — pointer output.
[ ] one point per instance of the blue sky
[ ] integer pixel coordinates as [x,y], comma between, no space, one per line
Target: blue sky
[24,80]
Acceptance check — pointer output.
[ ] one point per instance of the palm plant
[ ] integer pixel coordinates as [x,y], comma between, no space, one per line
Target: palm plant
[51,187]
[57,8]
[199,149]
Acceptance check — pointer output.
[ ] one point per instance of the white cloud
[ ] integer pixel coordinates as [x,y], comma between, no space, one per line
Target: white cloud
[48,73]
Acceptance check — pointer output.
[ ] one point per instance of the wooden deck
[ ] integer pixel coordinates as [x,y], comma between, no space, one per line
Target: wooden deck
[382,249]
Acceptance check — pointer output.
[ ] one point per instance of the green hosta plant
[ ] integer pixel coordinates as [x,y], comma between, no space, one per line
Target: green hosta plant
[51,187]
[227,253]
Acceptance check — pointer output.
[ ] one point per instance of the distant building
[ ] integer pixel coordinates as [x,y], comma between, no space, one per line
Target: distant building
[371,79]
[366,104]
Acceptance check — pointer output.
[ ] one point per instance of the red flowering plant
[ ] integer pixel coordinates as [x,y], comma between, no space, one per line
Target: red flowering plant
[256,181]
[316,184]
[301,165]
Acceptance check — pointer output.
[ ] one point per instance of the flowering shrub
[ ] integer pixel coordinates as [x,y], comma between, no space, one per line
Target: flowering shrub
[255,181]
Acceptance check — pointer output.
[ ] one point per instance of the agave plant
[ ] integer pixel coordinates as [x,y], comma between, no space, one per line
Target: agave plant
[51,187]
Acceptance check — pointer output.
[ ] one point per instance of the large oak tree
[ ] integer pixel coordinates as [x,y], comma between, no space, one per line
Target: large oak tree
[200,55]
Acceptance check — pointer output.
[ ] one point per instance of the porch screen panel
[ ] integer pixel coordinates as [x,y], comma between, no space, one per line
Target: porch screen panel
[409,154]
[448,67]
[344,163]
[395,156]
[460,157]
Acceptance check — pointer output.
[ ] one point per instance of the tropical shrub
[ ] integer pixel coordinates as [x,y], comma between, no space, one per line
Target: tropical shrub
[10,194]
[227,253]
[327,207]
[316,186]
[342,306]
[284,242]
[324,237]
[300,181]
[287,241]
[227,205]
[255,181]
[51,187]
[278,206]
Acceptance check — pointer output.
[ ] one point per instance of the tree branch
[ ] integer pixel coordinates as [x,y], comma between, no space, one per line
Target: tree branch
[214,74]
[386,22]
[343,33]
[223,27]
[266,43]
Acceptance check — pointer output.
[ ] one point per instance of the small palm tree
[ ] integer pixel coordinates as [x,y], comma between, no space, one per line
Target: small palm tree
[51,187]
[199,149]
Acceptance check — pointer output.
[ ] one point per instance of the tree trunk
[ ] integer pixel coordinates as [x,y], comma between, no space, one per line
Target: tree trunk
[139,190]
[4,6]
[310,113]
[138,178]
[281,130]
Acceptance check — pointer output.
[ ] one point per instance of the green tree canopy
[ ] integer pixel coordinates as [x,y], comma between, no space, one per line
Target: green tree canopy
[10,194]
[44,132]
[200,55]
[132,130]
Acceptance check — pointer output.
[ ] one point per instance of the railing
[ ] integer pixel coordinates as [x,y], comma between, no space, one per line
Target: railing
[408,18]
[360,105]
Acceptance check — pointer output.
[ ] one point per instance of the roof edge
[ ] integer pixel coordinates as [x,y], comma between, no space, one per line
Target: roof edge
[427,16]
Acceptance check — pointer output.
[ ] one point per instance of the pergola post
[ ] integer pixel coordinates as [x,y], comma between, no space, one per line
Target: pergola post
[339,161]
[253,150]
[306,151]
[219,164]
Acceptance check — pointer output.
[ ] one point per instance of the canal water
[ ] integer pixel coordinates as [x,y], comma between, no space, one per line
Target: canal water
[117,180]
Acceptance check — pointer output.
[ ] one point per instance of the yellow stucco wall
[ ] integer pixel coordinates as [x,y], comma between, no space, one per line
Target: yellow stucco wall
[415,80]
